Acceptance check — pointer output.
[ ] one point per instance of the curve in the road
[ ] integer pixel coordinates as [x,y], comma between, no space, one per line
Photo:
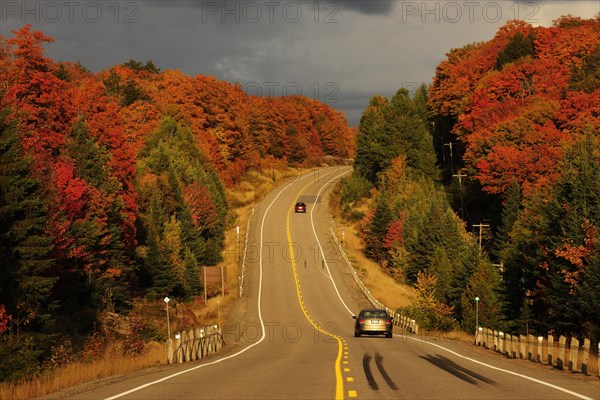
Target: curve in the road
[312,222]
[262,324]
[339,382]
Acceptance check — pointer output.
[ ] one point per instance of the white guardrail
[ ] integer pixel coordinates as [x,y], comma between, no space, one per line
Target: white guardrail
[195,344]
[403,321]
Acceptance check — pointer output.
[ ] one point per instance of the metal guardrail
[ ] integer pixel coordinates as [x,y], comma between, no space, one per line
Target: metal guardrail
[567,352]
[195,344]
[403,321]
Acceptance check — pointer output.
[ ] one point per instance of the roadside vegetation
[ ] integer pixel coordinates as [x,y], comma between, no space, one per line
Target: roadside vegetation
[486,184]
[116,188]
[136,340]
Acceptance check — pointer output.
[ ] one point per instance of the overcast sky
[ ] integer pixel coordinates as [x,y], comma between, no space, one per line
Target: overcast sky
[338,51]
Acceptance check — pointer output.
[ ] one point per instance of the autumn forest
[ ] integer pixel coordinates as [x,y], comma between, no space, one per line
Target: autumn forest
[485,182]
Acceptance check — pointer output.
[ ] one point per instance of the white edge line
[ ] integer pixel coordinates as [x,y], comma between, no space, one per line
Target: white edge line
[506,371]
[259,311]
[312,222]
[433,344]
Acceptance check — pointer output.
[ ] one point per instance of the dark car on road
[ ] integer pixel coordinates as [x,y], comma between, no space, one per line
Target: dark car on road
[373,321]
[300,207]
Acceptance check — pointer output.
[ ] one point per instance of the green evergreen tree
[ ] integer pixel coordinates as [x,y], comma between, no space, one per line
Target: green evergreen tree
[25,245]
[510,214]
[27,279]
[518,47]
[371,140]
[388,130]
[140,66]
[575,211]
[112,83]
[101,231]
[421,103]
[172,156]
[587,77]
[550,253]
[131,92]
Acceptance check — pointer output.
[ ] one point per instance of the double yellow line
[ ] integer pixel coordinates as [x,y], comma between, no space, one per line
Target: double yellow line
[339,382]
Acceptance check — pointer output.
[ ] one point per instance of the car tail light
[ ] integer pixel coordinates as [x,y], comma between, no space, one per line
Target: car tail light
[361,321]
[388,321]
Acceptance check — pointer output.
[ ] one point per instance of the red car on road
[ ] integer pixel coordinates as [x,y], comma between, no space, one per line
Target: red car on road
[300,207]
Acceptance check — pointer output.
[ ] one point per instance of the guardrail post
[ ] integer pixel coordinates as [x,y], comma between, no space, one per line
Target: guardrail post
[197,344]
[573,354]
[514,343]
[202,343]
[530,342]
[586,356]
[178,348]
[192,348]
[184,346]
[219,339]
[560,360]
[550,349]
[501,344]
[539,349]
[522,344]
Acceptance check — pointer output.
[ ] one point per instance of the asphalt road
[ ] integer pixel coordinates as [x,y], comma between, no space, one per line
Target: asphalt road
[296,341]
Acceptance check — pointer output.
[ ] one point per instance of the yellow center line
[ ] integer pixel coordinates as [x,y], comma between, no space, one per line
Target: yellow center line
[339,382]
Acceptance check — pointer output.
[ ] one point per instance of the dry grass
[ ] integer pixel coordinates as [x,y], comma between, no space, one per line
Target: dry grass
[76,373]
[383,287]
[242,198]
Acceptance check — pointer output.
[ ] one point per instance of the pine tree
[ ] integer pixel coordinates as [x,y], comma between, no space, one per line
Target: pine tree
[26,281]
[371,140]
[389,129]
[575,211]
[510,214]
[180,179]
[587,77]
[519,46]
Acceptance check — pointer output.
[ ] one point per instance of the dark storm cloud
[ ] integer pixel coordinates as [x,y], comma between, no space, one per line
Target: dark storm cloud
[374,7]
[340,52]
[380,7]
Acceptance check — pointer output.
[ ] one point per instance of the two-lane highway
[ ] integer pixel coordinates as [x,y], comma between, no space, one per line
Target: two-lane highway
[297,342]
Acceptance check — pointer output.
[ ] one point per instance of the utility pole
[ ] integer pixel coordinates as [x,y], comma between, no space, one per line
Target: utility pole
[449,145]
[462,205]
[459,176]
[500,266]
[451,157]
[481,226]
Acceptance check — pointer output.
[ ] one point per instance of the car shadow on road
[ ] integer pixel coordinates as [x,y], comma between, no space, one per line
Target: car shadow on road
[457,370]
